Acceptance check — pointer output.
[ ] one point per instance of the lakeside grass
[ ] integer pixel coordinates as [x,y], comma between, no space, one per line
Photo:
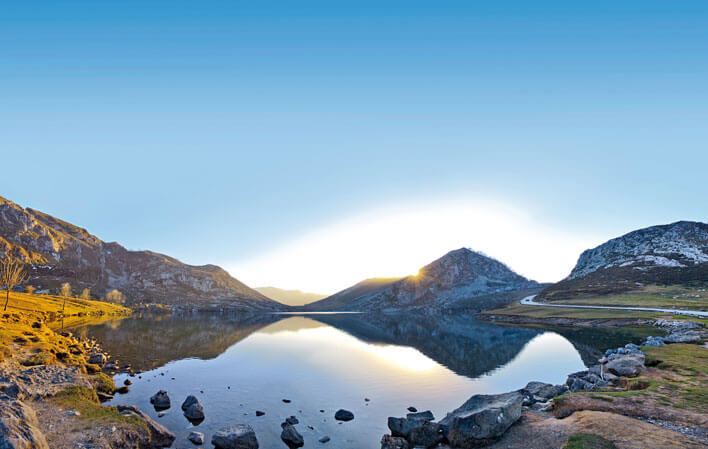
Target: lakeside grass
[679,379]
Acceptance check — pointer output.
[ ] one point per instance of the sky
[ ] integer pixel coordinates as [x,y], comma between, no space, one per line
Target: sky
[311,145]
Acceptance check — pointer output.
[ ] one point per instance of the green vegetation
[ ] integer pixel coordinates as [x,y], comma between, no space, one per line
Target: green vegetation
[40,358]
[103,383]
[570,313]
[85,401]
[588,441]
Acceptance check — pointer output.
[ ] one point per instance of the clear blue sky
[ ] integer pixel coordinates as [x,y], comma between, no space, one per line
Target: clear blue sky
[220,131]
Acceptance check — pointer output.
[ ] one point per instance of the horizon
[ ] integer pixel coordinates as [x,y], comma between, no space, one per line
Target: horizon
[312,146]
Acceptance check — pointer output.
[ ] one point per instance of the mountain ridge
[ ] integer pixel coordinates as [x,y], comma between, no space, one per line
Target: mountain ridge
[289,297]
[674,253]
[58,251]
[456,277]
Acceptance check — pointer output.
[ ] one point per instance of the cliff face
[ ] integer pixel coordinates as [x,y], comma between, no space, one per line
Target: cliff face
[59,252]
[457,277]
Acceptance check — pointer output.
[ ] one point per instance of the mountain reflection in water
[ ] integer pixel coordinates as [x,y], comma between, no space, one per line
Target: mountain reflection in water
[236,365]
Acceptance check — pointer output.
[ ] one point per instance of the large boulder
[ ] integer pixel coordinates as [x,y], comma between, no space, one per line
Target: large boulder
[427,435]
[402,427]
[98,359]
[482,419]
[161,400]
[189,401]
[159,435]
[391,442]
[629,365]
[240,436]
[194,412]
[292,437]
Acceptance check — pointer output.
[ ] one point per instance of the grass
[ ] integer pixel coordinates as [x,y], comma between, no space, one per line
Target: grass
[588,441]
[85,401]
[676,296]
[40,358]
[681,382]
[50,304]
[103,383]
[581,314]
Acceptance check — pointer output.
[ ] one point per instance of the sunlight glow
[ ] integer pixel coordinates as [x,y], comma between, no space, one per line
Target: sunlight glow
[398,241]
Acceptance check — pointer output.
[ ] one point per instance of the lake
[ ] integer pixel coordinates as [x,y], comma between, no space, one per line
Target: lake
[324,362]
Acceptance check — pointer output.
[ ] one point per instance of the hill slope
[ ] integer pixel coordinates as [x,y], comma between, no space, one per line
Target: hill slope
[675,253]
[289,297]
[58,252]
[449,282]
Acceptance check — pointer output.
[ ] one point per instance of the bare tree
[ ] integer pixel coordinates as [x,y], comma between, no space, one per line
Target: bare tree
[85,294]
[115,297]
[12,274]
[65,291]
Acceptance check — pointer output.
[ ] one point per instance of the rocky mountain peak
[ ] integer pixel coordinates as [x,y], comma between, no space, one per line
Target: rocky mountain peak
[676,245]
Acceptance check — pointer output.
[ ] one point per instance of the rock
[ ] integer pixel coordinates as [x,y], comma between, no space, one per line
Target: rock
[292,437]
[104,397]
[427,435]
[292,420]
[191,400]
[97,359]
[19,428]
[425,416]
[391,442]
[259,413]
[482,419]
[541,392]
[287,401]
[123,390]
[159,435]
[161,414]
[324,439]
[240,436]
[412,409]
[196,437]
[343,415]
[127,382]
[654,341]
[194,412]
[630,365]
[683,337]
[161,400]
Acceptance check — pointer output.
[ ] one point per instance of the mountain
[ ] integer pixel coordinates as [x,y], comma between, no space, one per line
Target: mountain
[289,297]
[675,253]
[455,280]
[58,252]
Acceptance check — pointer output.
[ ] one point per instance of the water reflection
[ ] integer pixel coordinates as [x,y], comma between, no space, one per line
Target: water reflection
[237,365]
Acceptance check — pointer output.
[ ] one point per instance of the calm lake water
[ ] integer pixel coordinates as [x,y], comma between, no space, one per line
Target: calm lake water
[236,366]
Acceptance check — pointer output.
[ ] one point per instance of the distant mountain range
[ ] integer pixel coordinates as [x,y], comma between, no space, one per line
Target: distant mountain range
[452,281]
[675,253]
[290,297]
[59,252]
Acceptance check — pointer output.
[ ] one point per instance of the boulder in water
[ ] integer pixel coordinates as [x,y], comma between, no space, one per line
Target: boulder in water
[240,436]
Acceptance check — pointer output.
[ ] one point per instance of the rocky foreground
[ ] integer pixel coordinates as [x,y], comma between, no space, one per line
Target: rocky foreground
[533,416]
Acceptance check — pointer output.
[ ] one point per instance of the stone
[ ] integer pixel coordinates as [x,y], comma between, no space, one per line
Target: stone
[123,390]
[161,400]
[240,436]
[412,409]
[19,428]
[104,397]
[426,435]
[426,415]
[482,419]
[159,435]
[324,439]
[630,365]
[533,391]
[402,427]
[343,415]
[292,420]
[391,442]
[194,412]
[196,437]
[189,401]
[683,337]
[292,437]
[654,341]
[127,382]
[97,359]
[259,413]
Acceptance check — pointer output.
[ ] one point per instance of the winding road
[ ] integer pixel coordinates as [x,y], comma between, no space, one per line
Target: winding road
[528,301]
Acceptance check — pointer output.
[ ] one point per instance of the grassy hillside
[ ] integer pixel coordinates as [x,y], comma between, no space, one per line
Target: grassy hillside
[50,304]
